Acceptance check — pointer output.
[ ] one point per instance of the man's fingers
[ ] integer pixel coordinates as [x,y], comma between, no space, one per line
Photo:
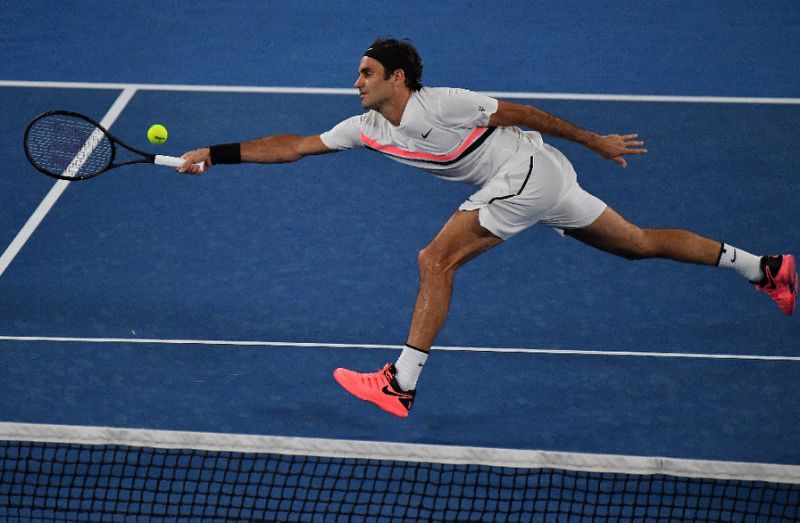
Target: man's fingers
[630,140]
[189,168]
[192,159]
[616,146]
[633,146]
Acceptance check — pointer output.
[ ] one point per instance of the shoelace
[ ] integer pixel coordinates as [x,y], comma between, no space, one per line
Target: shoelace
[373,379]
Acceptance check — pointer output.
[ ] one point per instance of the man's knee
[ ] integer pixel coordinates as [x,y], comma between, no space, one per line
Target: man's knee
[461,239]
[432,262]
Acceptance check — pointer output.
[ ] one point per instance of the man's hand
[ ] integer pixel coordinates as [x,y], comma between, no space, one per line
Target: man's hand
[614,146]
[197,156]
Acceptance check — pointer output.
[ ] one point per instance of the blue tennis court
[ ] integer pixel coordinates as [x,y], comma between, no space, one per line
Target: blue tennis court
[222,303]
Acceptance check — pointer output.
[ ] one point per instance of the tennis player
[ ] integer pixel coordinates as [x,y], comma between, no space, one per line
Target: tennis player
[472,138]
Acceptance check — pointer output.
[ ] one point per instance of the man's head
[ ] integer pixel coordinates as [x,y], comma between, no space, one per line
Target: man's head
[388,68]
[398,54]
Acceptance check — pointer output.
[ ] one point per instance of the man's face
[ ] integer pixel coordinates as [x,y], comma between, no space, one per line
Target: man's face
[373,88]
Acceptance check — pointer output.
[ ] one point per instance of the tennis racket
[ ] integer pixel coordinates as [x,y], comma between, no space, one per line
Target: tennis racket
[71,146]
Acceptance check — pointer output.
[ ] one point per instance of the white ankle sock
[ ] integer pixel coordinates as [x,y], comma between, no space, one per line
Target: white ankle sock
[408,366]
[746,264]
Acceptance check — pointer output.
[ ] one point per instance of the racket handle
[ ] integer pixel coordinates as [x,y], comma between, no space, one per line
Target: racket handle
[172,161]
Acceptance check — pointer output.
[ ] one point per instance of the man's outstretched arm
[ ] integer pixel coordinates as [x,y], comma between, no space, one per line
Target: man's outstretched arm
[279,148]
[611,146]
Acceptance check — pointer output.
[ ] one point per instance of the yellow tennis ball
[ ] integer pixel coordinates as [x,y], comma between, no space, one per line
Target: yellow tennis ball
[157,134]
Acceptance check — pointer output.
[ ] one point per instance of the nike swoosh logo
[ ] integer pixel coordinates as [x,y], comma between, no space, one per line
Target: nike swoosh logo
[386,390]
[429,132]
[734,256]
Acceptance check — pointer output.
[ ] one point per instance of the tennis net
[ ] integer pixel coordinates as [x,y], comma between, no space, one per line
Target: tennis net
[50,472]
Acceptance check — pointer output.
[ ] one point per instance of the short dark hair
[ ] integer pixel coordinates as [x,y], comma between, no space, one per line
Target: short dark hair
[398,54]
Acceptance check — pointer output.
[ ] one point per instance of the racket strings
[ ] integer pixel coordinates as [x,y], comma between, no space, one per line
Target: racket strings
[68,146]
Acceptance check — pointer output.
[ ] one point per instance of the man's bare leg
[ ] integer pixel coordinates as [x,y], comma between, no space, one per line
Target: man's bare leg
[461,239]
[775,275]
[393,387]
[613,233]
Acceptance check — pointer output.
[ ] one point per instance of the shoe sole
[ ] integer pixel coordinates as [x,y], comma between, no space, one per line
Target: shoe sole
[792,283]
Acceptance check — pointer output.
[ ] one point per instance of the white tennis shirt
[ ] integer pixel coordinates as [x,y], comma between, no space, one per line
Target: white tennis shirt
[443,131]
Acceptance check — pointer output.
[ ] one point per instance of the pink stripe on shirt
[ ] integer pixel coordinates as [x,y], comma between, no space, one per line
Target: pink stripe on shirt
[411,155]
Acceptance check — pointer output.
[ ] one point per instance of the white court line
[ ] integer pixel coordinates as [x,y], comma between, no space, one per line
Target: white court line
[61,185]
[352,91]
[558,352]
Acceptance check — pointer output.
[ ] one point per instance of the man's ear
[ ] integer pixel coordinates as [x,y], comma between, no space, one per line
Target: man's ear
[399,77]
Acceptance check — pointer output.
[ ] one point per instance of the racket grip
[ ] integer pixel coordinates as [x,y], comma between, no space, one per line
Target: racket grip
[172,161]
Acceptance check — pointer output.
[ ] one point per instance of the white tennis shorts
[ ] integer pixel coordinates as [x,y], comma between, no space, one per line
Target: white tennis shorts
[540,187]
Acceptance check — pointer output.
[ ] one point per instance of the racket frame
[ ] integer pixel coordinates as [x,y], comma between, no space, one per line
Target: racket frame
[145,157]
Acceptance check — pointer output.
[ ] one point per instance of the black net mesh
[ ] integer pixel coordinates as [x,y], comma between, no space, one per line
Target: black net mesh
[46,481]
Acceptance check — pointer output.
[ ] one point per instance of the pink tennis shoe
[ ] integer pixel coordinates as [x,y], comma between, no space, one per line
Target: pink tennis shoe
[380,388]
